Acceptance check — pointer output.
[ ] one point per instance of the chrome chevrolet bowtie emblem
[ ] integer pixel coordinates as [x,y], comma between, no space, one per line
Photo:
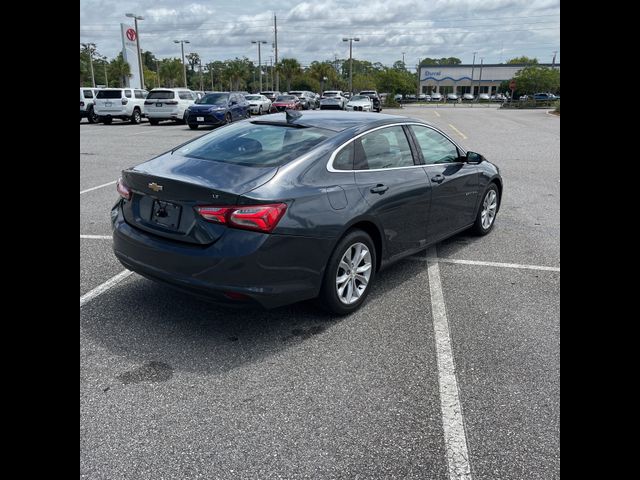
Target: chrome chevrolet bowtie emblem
[155,187]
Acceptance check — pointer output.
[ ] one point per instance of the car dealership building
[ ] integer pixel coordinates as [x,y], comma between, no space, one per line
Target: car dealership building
[462,79]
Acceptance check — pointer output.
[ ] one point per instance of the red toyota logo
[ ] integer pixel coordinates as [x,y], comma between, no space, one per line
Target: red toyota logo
[131,34]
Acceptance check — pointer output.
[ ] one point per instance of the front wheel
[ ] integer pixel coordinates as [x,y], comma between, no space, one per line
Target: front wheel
[260,110]
[193,126]
[488,210]
[349,274]
[92,116]
[136,118]
[154,121]
[227,118]
[107,120]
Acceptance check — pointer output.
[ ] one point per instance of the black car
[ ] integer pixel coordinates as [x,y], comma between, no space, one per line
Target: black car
[217,108]
[278,209]
[375,98]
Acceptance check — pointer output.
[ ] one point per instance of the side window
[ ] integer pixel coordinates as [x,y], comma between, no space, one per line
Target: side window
[127,93]
[185,95]
[344,159]
[435,147]
[384,148]
[87,93]
[138,93]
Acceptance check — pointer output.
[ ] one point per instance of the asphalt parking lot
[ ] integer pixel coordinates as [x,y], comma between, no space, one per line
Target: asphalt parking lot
[449,371]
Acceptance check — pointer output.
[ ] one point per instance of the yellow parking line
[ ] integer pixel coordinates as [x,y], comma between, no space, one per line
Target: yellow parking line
[464,137]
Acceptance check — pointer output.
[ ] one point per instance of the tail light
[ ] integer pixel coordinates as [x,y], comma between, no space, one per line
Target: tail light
[82,104]
[125,101]
[123,190]
[171,102]
[147,102]
[261,218]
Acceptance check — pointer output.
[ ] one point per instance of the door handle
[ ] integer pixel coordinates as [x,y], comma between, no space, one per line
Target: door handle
[379,189]
[438,178]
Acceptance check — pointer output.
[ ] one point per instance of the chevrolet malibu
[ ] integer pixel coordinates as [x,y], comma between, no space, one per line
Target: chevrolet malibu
[279,209]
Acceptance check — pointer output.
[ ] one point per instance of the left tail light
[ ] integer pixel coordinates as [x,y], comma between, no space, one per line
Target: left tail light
[261,218]
[123,190]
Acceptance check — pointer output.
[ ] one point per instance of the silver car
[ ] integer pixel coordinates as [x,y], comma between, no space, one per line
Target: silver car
[333,100]
[258,104]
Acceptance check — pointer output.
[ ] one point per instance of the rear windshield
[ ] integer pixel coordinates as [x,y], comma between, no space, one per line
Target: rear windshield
[360,97]
[253,97]
[161,95]
[330,94]
[109,94]
[255,145]
[214,99]
[285,98]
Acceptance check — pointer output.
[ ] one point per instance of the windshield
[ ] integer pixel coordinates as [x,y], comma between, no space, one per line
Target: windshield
[254,144]
[285,98]
[330,94]
[161,95]
[359,97]
[109,94]
[253,97]
[214,99]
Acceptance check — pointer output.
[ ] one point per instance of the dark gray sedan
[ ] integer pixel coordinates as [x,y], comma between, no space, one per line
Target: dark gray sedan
[295,206]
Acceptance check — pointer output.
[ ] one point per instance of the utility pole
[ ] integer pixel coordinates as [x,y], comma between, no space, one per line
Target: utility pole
[200,65]
[184,65]
[418,75]
[351,40]
[259,61]
[104,64]
[553,62]
[402,59]
[275,29]
[480,79]
[473,66]
[157,74]
[211,71]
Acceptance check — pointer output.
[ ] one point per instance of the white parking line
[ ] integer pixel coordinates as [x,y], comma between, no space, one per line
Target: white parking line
[455,439]
[100,289]
[459,132]
[435,111]
[489,264]
[99,186]
[97,237]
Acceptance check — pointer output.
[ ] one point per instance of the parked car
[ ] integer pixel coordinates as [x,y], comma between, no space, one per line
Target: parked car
[467,97]
[307,99]
[544,96]
[219,217]
[436,97]
[287,102]
[122,103]
[333,100]
[168,104]
[258,103]
[271,94]
[217,109]
[87,98]
[484,96]
[375,98]
[397,97]
[422,96]
[452,97]
[361,103]
[410,96]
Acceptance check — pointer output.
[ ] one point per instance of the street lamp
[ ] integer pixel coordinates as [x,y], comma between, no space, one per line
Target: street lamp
[184,66]
[473,66]
[259,42]
[106,79]
[136,18]
[90,48]
[351,40]
[402,59]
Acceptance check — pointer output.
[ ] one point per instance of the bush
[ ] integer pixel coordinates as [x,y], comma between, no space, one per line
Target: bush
[557,110]
[391,102]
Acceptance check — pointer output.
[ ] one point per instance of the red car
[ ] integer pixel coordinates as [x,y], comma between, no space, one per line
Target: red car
[286,102]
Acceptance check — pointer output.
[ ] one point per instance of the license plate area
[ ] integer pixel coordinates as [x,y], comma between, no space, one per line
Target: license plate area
[199,119]
[166,214]
[158,104]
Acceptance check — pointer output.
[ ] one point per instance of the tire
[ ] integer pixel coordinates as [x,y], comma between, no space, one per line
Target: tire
[248,114]
[340,303]
[107,120]
[228,118]
[193,126]
[260,110]
[136,117]
[485,220]
[154,121]
[92,116]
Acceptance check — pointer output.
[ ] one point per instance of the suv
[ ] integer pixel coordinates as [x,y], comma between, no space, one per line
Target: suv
[87,96]
[375,98]
[217,108]
[168,104]
[122,103]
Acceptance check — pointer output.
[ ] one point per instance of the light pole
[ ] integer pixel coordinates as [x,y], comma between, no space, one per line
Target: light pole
[351,40]
[135,19]
[157,74]
[553,62]
[480,79]
[184,66]
[259,42]
[90,48]
[473,66]
[402,59]
[106,79]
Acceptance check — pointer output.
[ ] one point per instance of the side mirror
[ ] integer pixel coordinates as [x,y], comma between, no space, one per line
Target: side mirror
[473,157]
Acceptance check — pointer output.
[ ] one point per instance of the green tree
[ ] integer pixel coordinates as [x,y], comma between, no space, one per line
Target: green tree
[320,71]
[399,65]
[119,71]
[535,78]
[171,72]
[523,61]
[236,72]
[193,59]
[289,67]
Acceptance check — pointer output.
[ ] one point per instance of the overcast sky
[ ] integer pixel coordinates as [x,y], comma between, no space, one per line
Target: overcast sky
[313,30]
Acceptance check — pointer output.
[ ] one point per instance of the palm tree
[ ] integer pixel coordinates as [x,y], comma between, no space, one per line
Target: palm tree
[235,71]
[320,71]
[289,67]
[171,71]
[119,69]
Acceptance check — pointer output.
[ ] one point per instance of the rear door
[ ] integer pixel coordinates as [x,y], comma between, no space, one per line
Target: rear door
[395,186]
[108,102]
[454,183]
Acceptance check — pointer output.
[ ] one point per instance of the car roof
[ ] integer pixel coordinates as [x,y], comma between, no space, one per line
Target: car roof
[338,120]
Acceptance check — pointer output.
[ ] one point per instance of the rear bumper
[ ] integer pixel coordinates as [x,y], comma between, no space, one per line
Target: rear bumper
[168,115]
[270,270]
[333,106]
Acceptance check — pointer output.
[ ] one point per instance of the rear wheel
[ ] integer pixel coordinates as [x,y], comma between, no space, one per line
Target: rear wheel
[488,210]
[107,120]
[154,121]
[349,274]
[227,118]
[136,118]
[92,116]
[193,126]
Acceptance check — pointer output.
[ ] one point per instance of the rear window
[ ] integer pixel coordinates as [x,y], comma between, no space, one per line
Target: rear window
[285,98]
[87,93]
[161,95]
[185,95]
[109,94]
[214,99]
[138,93]
[256,145]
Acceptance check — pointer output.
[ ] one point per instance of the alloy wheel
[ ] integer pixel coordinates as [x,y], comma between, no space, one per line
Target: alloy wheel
[489,208]
[354,271]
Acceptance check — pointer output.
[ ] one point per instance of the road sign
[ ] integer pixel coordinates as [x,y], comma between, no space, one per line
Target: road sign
[512,85]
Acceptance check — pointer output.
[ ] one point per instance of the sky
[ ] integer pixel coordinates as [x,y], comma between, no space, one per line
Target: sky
[313,30]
